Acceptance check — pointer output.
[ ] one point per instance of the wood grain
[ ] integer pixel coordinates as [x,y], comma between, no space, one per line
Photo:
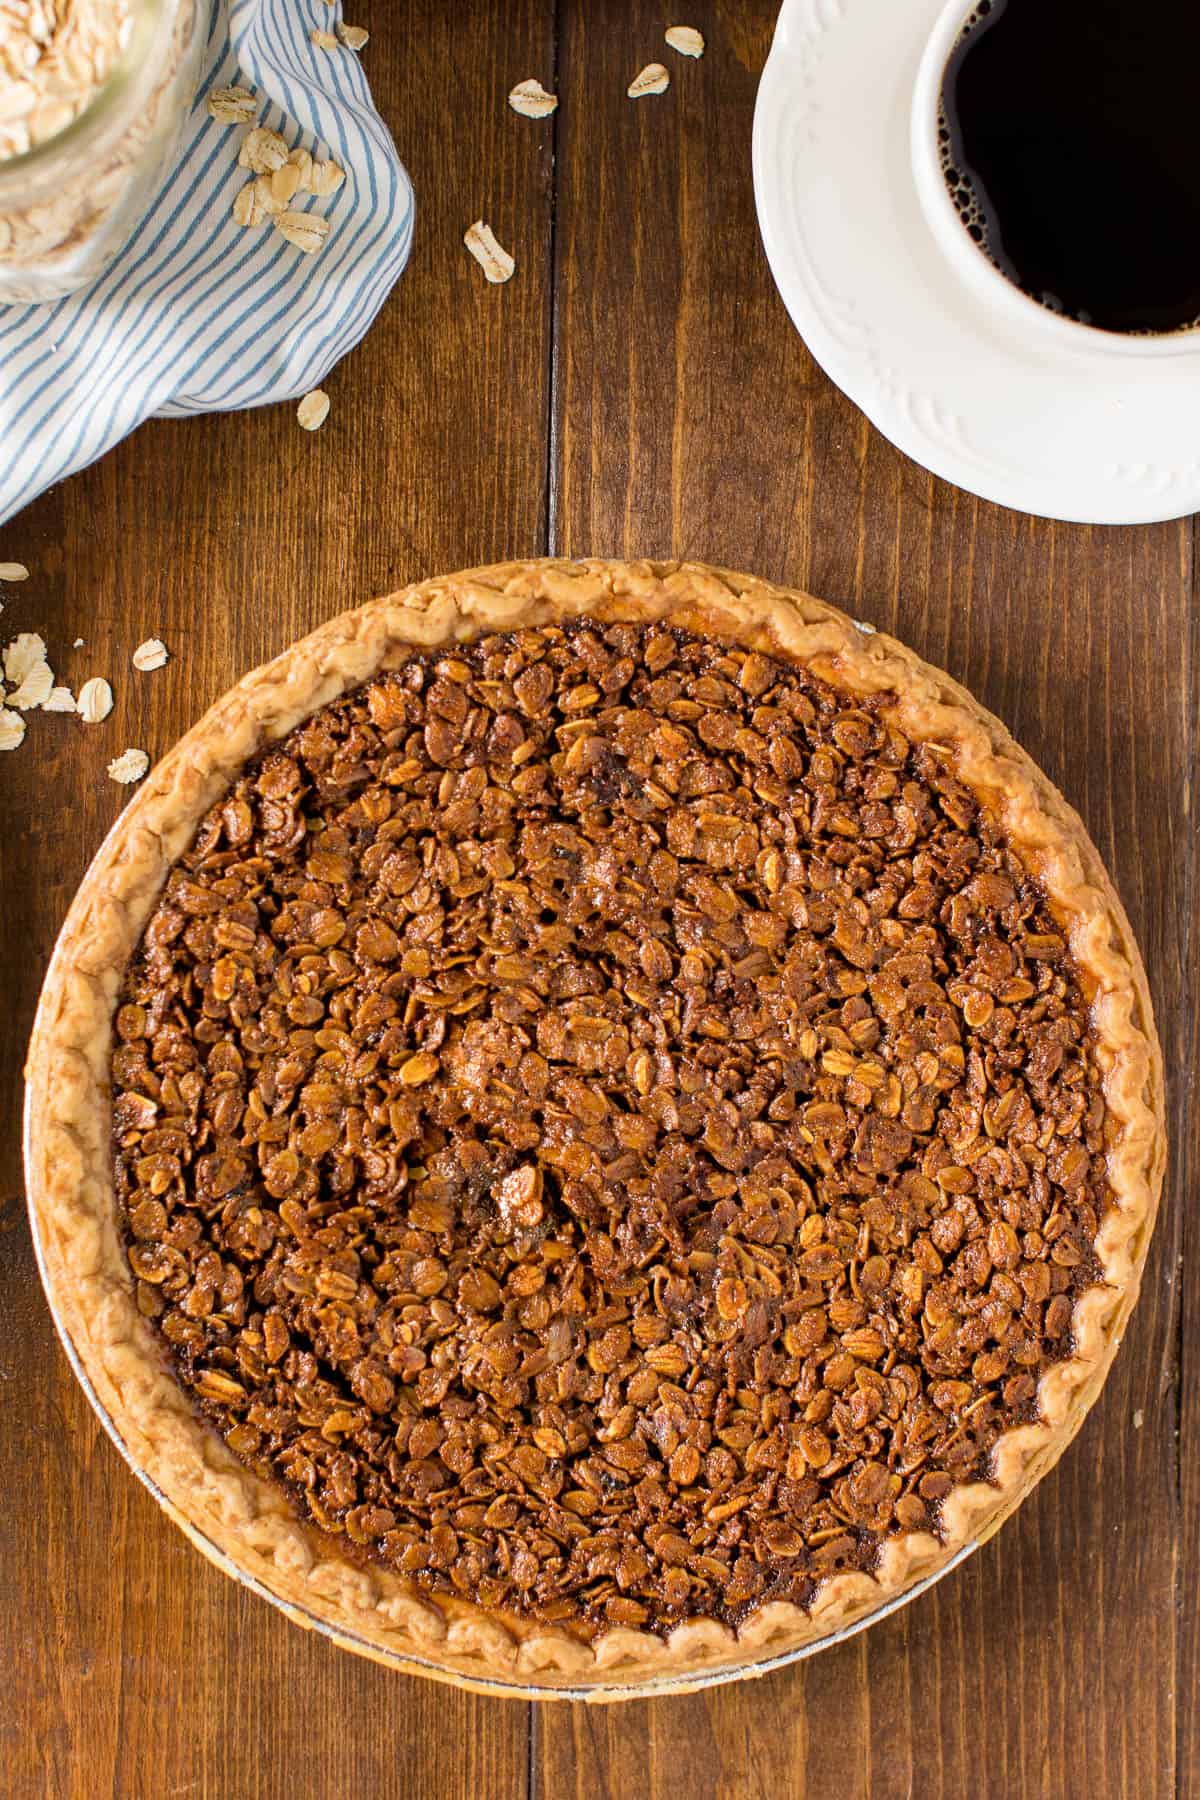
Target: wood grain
[636,388]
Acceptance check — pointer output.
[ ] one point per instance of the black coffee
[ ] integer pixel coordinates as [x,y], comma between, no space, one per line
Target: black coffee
[1071,145]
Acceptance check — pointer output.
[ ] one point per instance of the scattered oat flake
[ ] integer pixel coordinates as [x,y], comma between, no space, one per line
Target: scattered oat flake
[35,689]
[247,205]
[12,729]
[95,700]
[654,79]
[355,37]
[285,183]
[1139,1419]
[313,410]
[24,653]
[152,654]
[130,766]
[307,231]
[324,40]
[59,699]
[78,644]
[530,99]
[13,572]
[262,151]
[325,178]
[232,105]
[302,160]
[492,258]
[686,40]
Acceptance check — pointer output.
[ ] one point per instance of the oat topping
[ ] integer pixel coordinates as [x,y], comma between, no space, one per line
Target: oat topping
[12,729]
[609,1125]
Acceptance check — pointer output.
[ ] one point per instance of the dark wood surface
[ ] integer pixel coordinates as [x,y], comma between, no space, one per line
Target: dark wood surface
[636,388]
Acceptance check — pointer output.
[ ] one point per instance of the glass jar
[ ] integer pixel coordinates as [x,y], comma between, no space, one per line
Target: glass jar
[71,201]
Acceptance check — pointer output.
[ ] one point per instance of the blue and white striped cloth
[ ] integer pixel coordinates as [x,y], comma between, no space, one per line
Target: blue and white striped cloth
[198,315]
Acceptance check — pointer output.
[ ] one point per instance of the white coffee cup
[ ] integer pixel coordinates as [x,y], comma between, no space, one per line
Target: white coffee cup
[1037,324]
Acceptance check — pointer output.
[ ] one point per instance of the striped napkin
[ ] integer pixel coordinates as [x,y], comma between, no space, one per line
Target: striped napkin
[197,314]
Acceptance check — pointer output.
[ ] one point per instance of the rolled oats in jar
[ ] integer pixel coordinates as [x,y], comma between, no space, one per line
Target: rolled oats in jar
[93,98]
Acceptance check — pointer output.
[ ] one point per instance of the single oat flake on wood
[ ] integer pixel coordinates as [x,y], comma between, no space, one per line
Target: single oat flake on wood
[491,256]
[654,79]
[530,99]
[130,766]
[35,689]
[95,700]
[686,40]
[313,410]
[27,649]
[152,654]
[13,572]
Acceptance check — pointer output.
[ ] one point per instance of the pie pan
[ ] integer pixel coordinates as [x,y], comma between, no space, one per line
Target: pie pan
[244,1524]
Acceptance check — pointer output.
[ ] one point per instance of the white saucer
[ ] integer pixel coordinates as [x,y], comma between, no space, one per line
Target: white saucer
[1077,436]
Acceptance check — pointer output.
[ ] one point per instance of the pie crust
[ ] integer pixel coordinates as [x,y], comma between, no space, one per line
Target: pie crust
[243,1523]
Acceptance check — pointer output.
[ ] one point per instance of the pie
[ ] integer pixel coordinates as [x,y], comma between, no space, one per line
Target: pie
[594,1124]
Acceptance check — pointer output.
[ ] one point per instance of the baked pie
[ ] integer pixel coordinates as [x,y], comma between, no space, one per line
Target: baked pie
[593,1125]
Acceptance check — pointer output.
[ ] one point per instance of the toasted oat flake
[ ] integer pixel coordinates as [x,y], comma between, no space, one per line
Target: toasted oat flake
[313,410]
[13,572]
[59,700]
[654,79]
[130,766]
[492,258]
[355,37]
[262,151]
[232,105]
[35,689]
[12,729]
[324,40]
[530,99]
[686,40]
[152,654]
[95,700]
[27,649]
[307,231]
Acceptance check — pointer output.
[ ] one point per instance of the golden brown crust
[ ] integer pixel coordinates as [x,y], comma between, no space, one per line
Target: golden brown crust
[243,1523]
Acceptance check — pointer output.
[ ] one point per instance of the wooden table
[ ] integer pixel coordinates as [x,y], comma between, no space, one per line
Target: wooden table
[636,389]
